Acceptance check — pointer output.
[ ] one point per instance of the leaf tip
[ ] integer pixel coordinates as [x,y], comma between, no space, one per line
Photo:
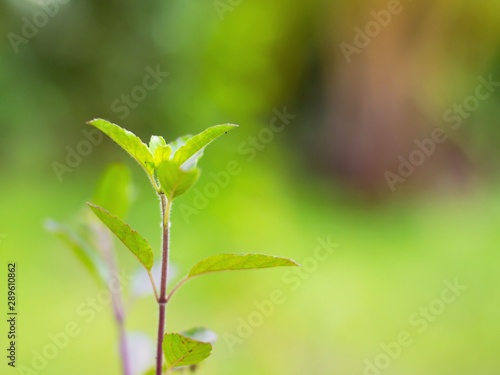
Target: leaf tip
[232,126]
[93,121]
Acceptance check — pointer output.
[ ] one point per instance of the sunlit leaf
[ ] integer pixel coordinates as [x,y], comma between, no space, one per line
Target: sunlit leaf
[155,142]
[162,153]
[131,238]
[175,181]
[180,350]
[160,149]
[198,142]
[233,262]
[129,142]
[114,190]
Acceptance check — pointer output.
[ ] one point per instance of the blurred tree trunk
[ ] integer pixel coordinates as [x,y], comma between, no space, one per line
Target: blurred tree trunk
[374,109]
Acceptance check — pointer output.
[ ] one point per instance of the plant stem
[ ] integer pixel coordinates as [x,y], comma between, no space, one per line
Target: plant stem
[166,205]
[106,246]
[120,321]
[175,288]
[153,284]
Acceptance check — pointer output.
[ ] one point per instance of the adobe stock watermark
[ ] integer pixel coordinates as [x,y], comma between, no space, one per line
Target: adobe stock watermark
[224,6]
[249,148]
[364,37]
[292,279]
[427,146]
[32,25]
[75,155]
[131,100]
[419,322]
[86,312]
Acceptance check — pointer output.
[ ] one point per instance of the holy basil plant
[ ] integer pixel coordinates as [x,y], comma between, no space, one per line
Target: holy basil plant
[172,169]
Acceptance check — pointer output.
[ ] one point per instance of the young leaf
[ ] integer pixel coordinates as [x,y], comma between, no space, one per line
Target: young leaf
[131,238]
[155,142]
[233,262]
[129,142]
[175,181]
[180,350]
[192,161]
[81,249]
[162,153]
[198,142]
[114,190]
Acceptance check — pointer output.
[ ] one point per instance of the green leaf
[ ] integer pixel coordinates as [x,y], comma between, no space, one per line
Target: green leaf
[162,153]
[129,142]
[114,190]
[198,142]
[155,142]
[233,262]
[131,238]
[180,350]
[175,181]
[81,250]
[160,149]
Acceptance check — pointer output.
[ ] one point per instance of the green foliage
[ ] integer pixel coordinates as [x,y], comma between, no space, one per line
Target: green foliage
[198,142]
[113,190]
[155,142]
[178,172]
[172,170]
[161,154]
[131,238]
[173,180]
[180,350]
[172,165]
[159,149]
[129,142]
[233,262]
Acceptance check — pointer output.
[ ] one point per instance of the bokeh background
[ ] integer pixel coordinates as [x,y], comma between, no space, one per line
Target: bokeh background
[323,176]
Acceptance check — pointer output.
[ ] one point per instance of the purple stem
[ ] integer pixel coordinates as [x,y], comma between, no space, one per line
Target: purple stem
[162,301]
[106,246]
[120,321]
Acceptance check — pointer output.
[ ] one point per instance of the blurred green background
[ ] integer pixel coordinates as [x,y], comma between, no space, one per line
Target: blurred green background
[323,176]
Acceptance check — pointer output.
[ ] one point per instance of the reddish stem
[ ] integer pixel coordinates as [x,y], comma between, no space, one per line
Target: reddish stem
[162,301]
